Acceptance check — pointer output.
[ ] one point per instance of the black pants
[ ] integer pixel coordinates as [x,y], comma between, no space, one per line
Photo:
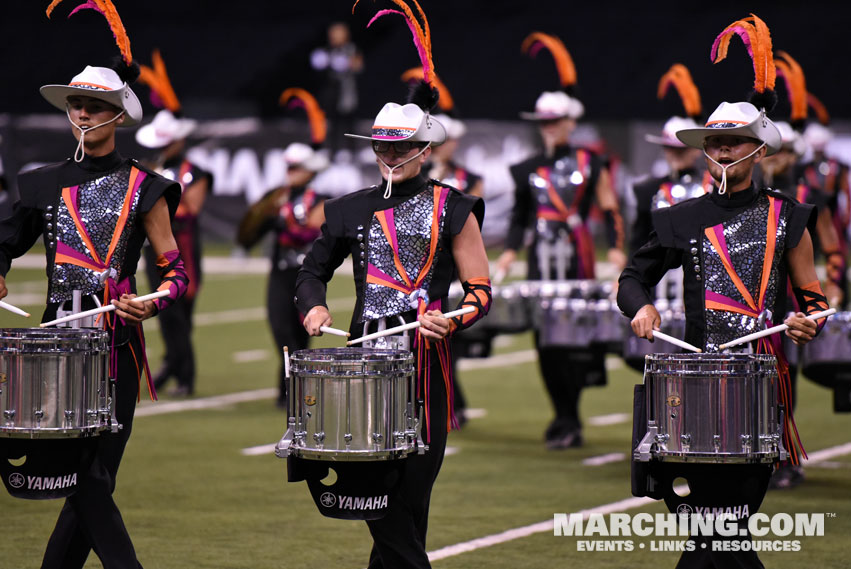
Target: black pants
[90,519]
[566,371]
[285,320]
[176,329]
[400,536]
[716,486]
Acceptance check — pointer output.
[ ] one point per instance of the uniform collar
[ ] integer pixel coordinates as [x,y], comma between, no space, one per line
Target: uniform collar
[734,199]
[101,163]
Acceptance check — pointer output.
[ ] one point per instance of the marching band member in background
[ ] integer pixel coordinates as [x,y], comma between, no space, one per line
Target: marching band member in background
[736,245]
[408,237]
[167,133]
[295,213]
[94,212]
[553,194]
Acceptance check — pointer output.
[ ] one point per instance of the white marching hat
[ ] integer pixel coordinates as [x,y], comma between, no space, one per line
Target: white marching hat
[735,119]
[397,122]
[164,129]
[817,136]
[98,83]
[455,129]
[790,138]
[669,132]
[300,155]
[552,105]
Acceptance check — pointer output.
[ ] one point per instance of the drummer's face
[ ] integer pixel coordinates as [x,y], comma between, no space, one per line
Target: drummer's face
[87,112]
[392,156]
[727,149]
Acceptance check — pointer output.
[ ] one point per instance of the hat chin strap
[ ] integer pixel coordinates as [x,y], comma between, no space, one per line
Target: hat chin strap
[80,152]
[389,187]
[722,187]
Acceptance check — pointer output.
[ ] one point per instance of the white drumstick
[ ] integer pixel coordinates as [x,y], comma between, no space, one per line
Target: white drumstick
[334,331]
[102,309]
[409,326]
[14,309]
[675,341]
[286,362]
[774,330]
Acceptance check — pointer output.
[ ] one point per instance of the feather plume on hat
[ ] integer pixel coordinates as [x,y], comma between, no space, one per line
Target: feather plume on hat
[564,62]
[756,37]
[796,88]
[108,11]
[679,76]
[297,97]
[156,78]
[819,109]
[445,101]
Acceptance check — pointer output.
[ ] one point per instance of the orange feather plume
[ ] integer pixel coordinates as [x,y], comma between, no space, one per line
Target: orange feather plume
[157,80]
[445,103]
[421,32]
[564,63]
[679,76]
[315,114]
[796,85]
[107,9]
[819,109]
[757,39]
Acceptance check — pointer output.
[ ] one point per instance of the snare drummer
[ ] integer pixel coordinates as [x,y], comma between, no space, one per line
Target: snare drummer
[94,212]
[737,245]
[554,192]
[407,237]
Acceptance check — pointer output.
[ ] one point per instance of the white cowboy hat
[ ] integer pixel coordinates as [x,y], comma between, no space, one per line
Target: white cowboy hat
[736,119]
[397,122]
[164,129]
[790,138]
[817,136]
[669,132]
[455,129]
[98,83]
[301,155]
[552,105]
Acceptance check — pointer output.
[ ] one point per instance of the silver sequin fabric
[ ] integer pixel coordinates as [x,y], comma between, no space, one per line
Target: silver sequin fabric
[686,188]
[745,236]
[413,233]
[99,203]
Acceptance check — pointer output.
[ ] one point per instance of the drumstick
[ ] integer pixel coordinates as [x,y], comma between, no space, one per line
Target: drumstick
[334,331]
[102,309]
[14,309]
[675,341]
[774,330]
[408,326]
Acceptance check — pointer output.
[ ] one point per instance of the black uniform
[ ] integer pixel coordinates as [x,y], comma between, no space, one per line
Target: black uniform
[90,520]
[701,235]
[352,227]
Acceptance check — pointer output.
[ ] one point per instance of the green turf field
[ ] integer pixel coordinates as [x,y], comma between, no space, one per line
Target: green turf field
[191,499]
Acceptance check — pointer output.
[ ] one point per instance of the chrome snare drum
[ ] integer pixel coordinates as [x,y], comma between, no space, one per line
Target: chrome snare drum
[713,408]
[351,404]
[54,383]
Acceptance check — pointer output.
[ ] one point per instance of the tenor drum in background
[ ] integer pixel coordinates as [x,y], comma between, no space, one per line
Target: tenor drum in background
[711,408]
[564,314]
[636,349]
[509,312]
[352,404]
[827,360]
[55,399]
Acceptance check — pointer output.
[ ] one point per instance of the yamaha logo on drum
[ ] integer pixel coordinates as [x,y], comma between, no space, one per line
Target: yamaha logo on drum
[310,400]
[328,499]
[674,400]
[16,480]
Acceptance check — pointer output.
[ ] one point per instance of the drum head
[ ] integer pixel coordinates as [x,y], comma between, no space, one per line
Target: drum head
[361,491]
[45,469]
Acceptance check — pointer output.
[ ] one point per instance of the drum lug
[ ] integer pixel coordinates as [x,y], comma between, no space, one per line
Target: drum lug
[747,443]
[377,438]
[9,415]
[69,417]
[716,442]
[319,438]
[685,442]
[643,451]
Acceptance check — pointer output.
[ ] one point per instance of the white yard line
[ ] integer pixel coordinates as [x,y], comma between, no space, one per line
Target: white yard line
[205,403]
[604,459]
[620,506]
[499,360]
[605,420]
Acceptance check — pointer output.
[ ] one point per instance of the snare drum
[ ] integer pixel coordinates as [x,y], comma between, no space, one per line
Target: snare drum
[712,408]
[351,404]
[565,314]
[829,354]
[509,312]
[54,383]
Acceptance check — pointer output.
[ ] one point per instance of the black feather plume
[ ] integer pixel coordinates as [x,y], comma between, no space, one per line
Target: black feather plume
[766,100]
[127,73]
[423,95]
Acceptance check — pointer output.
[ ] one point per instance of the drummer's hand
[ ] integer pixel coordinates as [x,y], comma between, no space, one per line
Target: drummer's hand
[801,329]
[646,320]
[617,258]
[132,311]
[3,290]
[503,265]
[433,325]
[833,293]
[316,317]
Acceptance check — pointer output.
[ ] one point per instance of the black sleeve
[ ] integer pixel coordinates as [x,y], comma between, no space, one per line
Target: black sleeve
[325,255]
[643,224]
[18,233]
[802,216]
[645,269]
[153,188]
[460,208]
[520,213]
